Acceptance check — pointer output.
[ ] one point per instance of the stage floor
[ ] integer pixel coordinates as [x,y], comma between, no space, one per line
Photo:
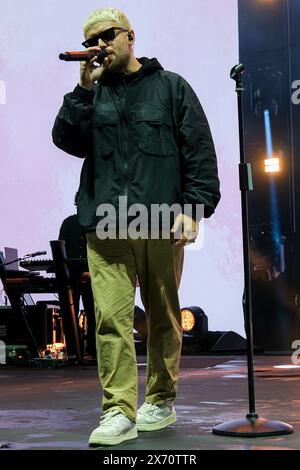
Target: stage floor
[49,409]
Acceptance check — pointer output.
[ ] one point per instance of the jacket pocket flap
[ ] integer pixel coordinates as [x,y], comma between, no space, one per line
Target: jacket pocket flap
[153,116]
[101,119]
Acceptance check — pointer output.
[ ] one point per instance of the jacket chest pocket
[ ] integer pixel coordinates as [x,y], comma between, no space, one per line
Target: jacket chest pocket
[105,137]
[154,132]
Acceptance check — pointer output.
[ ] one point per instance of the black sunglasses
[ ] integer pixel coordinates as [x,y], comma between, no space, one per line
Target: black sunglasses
[106,36]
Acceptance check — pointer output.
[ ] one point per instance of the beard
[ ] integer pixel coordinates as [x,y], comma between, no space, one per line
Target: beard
[118,65]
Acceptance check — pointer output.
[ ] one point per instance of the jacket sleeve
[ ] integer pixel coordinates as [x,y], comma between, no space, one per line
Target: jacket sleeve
[72,127]
[198,157]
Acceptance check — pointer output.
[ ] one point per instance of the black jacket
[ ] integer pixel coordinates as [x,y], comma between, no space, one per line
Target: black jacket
[143,135]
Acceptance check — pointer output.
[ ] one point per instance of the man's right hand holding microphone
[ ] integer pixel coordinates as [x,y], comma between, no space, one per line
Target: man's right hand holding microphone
[89,72]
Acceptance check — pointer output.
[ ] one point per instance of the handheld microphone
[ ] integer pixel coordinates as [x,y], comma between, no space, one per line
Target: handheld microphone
[37,253]
[82,56]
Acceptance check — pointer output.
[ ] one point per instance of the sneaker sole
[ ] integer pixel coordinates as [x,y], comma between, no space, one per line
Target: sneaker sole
[113,441]
[157,426]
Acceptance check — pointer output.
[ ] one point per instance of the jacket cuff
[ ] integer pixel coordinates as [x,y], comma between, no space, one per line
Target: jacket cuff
[82,93]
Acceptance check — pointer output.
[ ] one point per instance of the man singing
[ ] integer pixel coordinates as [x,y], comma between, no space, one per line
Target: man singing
[144,137]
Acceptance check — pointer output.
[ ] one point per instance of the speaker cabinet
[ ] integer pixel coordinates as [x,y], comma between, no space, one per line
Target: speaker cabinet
[229,341]
[43,322]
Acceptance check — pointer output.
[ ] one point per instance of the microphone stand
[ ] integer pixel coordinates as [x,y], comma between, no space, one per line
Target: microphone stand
[252,425]
[19,259]
[15,260]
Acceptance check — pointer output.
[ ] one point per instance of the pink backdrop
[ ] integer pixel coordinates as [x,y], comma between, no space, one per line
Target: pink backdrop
[195,38]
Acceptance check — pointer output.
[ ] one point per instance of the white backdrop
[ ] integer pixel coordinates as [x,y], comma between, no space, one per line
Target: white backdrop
[197,39]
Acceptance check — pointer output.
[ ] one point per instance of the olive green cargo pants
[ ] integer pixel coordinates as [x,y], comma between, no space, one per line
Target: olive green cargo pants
[114,265]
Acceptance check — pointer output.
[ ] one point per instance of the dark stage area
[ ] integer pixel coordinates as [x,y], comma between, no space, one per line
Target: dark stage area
[56,409]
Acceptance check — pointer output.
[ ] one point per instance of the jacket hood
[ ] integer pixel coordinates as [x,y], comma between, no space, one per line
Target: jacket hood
[149,66]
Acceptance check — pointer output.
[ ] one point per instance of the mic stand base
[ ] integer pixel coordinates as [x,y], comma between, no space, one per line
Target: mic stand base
[253,426]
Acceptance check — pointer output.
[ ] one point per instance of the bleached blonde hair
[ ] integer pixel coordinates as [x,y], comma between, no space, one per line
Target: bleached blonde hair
[106,14]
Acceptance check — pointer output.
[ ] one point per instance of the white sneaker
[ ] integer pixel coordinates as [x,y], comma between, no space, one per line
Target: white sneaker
[114,428]
[154,417]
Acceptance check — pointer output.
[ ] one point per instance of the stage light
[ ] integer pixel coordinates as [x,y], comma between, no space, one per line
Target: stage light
[194,330]
[272,165]
[194,326]
[188,320]
[194,320]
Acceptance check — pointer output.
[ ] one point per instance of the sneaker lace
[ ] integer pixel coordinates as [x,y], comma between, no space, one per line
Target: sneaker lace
[109,416]
[149,407]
